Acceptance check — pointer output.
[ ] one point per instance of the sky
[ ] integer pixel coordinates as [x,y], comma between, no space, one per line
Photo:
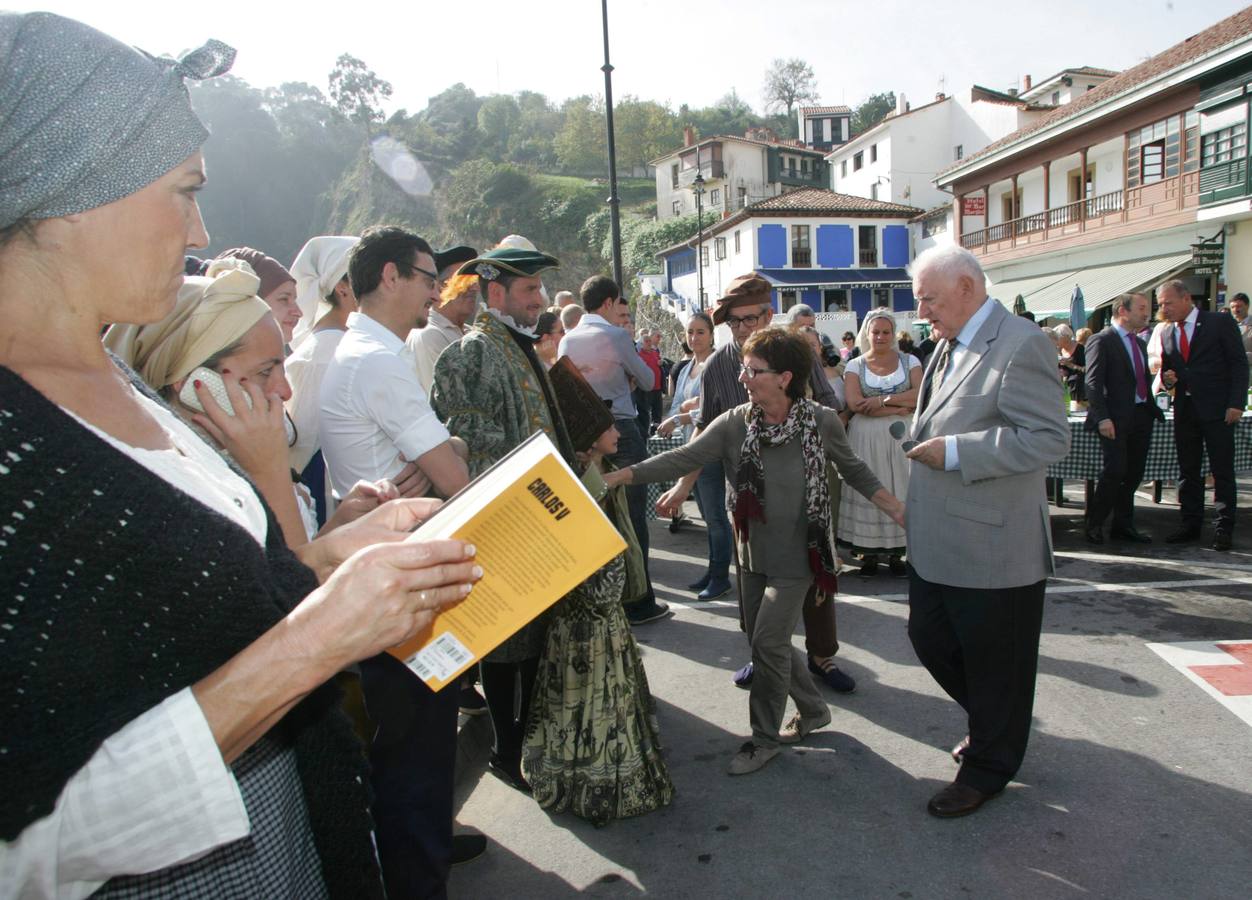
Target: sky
[670,51]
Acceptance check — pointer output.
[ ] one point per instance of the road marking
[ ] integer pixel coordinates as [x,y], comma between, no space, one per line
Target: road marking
[1222,669]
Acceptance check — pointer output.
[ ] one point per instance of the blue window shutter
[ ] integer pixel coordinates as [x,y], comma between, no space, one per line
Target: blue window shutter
[771,246]
[895,246]
[902,299]
[834,246]
[862,298]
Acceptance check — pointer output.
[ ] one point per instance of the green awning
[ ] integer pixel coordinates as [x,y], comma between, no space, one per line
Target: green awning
[1049,294]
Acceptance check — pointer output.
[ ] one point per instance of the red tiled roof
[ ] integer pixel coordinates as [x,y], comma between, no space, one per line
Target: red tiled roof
[1211,39]
[807,201]
[825,110]
[821,200]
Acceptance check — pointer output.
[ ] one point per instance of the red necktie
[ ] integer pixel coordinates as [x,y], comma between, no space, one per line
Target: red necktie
[1184,347]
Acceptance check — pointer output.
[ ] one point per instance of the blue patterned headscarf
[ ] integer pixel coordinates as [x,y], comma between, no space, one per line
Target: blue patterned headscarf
[85,119]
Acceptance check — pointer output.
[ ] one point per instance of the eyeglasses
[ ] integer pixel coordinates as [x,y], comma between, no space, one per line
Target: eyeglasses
[736,321]
[749,372]
[418,270]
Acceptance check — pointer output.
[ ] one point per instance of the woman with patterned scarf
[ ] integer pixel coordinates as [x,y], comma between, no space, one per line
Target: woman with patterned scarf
[774,449]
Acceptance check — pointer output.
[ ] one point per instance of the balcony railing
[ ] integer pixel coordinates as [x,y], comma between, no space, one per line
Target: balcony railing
[869,257]
[801,258]
[1225,181]
[1115,207]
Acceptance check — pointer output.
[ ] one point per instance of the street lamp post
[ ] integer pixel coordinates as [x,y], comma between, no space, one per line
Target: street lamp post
[615,228]
[697,187]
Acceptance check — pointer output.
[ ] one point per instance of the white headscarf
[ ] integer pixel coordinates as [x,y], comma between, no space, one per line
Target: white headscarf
[318,267]
[863,339]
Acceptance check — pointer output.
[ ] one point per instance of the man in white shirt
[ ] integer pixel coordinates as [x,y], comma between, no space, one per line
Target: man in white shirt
[375,417]
[455,307]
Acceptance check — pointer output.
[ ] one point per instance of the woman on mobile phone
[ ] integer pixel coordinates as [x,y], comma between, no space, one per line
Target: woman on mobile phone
[168,727]
[222,338]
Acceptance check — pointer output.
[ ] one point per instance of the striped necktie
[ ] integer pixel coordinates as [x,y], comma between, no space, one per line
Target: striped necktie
[936,374]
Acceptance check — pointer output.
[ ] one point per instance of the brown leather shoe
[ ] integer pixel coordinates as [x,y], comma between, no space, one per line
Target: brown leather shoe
[956,800]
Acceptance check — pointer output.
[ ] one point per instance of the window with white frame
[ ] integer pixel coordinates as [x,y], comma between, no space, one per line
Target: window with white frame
[715,197]
[704,256]
[737,247]
[958,152]
[873,153]
[858,160]
[673,176]
[677,207]
[719,248]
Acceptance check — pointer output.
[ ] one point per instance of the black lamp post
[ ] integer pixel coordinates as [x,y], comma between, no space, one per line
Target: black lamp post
[697,188]
[615,227]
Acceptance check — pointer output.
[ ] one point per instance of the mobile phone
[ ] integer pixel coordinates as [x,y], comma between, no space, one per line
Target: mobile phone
[213,382]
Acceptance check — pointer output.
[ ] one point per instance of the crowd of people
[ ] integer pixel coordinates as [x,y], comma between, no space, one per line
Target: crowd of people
[210,469]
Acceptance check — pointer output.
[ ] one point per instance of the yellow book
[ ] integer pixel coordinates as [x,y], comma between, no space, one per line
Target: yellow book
[538,534]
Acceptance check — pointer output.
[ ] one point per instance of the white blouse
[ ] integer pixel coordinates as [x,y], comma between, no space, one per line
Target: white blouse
[868,377]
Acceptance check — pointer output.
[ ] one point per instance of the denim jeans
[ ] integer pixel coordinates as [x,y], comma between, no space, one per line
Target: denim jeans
[633,448]
[711,498]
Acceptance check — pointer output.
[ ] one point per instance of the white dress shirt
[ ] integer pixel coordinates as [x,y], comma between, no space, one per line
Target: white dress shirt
[375,414]
[425,345]
[306,368]
[959,347]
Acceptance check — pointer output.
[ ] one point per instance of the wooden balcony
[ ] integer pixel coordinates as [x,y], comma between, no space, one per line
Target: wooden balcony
[1225,181]
[1150,207]
[801,258]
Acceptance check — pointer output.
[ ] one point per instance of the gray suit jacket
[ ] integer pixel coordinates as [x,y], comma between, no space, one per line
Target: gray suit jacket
[985,525]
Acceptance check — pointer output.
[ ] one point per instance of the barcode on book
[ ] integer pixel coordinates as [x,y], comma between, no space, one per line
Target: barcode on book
[441,658]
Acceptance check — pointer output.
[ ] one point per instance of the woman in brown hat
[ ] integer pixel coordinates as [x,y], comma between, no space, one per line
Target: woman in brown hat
[600,761]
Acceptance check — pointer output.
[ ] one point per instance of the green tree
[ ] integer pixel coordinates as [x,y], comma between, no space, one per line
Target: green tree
[789,82]
[531,142]
[358,92]
[645,130]
[498,117]
[872,111]
[581,144]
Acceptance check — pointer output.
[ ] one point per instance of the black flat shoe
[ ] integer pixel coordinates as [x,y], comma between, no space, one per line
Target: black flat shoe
[1221,541]
[467,848]
[1129,534]
[1183,536]
[1093,535]
[509,774]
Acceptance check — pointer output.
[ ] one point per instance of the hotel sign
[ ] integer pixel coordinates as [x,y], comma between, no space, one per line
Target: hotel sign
[975,205]
[1207,257]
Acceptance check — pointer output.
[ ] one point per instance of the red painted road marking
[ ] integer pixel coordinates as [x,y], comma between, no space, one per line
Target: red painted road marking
[1233,681]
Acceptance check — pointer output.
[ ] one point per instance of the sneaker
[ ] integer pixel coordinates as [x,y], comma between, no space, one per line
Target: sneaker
[798,728]
[832,676]
[467,847]
[743,677]
[645,612]
[718,586]
[701,583]
[750,758]
[471,703]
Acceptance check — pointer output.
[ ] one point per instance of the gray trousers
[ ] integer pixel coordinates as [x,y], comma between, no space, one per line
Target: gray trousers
[771,609]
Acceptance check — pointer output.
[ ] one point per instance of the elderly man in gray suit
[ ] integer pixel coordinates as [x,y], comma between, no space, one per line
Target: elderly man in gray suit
[989,421]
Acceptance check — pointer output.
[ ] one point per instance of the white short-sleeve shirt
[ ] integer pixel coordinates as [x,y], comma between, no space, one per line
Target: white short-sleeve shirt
[375,414]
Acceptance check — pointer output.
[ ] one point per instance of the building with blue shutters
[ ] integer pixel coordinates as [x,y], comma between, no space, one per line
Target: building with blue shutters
[831,251]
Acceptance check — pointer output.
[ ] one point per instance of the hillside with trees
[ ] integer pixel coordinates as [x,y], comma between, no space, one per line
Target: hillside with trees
[290,162]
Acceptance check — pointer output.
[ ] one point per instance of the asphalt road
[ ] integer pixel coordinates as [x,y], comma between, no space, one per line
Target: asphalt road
[1137,783]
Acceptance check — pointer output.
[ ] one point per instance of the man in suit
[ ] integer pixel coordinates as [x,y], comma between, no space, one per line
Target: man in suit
[1122,410]
[989,422]
[1204,363]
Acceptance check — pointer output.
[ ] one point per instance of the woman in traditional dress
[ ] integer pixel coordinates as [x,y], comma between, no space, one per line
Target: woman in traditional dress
[881,388]
[592,742]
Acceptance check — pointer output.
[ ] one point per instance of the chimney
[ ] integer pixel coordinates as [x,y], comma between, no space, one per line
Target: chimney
[902,105]
[1027,87]
[689,135]
[940,96]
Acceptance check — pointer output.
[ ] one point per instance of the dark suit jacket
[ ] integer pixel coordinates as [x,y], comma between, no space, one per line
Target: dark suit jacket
[1110,381]
[1216,371]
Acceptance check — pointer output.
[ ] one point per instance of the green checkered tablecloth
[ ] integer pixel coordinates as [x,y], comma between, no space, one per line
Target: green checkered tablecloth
[1085,461]
[657,444]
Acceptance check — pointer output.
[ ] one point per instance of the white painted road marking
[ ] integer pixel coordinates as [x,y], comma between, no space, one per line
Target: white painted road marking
[1222,669]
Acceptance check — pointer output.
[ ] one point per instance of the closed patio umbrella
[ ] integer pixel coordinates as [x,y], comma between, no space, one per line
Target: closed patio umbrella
[1077,312]
[1019,305]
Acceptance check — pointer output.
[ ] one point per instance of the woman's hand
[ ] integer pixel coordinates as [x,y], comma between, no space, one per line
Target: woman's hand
[382,596]
[365,496]
[388,523]
[666,428]
[890,504]
[255,436]
[671,502]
